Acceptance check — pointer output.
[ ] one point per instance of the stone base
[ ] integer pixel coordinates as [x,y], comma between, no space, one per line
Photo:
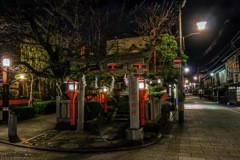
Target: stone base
[134,134]
[1,115]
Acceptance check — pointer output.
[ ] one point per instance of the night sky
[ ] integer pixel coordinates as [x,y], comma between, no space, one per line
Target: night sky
[223,17]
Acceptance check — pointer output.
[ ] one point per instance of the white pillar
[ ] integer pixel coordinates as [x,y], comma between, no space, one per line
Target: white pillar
[134,102]
[134,132]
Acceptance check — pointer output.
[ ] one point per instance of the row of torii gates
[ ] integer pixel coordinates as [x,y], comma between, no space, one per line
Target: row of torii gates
[135,130]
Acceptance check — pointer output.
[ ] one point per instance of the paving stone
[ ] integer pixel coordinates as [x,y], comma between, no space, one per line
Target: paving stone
[70,146]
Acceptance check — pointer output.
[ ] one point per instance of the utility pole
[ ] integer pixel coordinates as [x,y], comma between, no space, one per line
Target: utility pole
[180,73]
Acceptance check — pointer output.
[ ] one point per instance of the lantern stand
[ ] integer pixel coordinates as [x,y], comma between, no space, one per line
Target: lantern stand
[72,93]
[105,99]
[5,103]
[141,85]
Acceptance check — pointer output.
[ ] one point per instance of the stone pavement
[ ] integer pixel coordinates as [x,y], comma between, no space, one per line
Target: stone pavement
[210,131]
[39,133]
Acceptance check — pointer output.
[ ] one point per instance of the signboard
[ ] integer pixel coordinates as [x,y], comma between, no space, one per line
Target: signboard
[177,62]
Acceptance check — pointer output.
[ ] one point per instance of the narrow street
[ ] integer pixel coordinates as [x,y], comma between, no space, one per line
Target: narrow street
[210,132]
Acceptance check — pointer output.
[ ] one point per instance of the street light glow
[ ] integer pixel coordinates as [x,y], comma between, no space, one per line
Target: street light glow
[141,85]
[22,76]
[105,89]
[186,69]
[201,25]
[6,62]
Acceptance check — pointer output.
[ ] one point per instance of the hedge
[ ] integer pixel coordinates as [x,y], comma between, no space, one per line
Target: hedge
[45,107]
[92,110]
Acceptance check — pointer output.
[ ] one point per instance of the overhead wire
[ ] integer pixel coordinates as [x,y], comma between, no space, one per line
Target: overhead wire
[221,56]
[217,38]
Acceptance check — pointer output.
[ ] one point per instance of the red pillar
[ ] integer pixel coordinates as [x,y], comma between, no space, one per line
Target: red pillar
[105,102]
[141,95]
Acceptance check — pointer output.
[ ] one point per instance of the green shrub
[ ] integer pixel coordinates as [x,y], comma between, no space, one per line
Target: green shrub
[45,107]
[23,112]
[156,91]
[92,110]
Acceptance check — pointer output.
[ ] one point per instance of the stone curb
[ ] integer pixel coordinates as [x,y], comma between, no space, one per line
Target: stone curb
[142,144]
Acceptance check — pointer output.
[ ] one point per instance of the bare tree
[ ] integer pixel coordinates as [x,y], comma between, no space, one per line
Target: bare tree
[156,25]
[56,29]
[156,18]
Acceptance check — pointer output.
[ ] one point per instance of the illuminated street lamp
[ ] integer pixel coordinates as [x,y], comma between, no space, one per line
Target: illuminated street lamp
[180,50]
[186,69]
[22,76]
[212,74]
[6,62]
[5,104]
[201,25]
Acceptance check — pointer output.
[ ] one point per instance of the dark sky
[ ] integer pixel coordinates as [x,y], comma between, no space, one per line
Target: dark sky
[223,18]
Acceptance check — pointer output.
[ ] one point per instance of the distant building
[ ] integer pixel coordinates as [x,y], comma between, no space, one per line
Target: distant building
[223,85]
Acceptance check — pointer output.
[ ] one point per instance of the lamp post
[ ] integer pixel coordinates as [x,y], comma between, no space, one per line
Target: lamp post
[21,88]
[5,104]
[180,74]
[211,74]
[201,26]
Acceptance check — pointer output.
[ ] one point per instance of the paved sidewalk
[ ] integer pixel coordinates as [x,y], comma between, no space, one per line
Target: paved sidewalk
[210,131]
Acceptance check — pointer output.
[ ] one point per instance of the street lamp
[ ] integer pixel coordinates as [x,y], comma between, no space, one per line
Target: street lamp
[201,25]
[212,74]
[180,73]
[5,104]
[21,78]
